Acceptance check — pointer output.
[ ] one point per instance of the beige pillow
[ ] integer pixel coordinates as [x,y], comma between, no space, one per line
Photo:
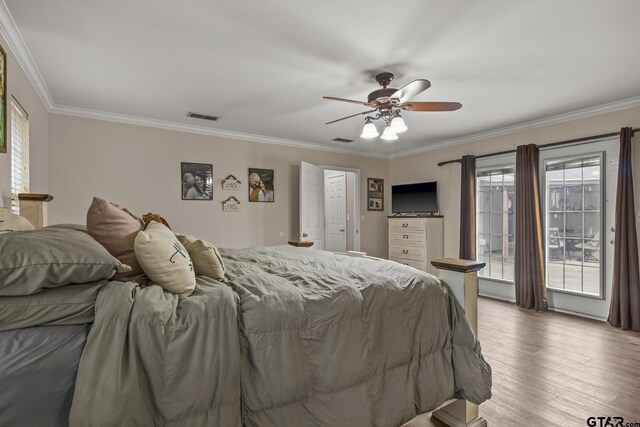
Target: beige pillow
[116,229]
[165,260]
[206,258]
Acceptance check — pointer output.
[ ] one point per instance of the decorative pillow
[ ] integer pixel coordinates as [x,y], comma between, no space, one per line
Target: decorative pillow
[165,260]
[205,257]
[52,257]
[116,229]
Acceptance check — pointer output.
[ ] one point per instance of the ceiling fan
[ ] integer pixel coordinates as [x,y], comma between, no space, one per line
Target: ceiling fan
[387,104]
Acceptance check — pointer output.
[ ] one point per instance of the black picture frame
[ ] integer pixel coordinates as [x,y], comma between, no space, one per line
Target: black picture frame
[190,176]
[375,194]
[262,188]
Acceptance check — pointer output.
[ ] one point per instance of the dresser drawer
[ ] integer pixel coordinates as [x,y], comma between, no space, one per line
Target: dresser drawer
[422,266]
[408,237]
[417,253]
[406,224]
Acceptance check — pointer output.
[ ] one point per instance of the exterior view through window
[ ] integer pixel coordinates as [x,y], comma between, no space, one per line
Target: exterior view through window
[496,222]
[574,224]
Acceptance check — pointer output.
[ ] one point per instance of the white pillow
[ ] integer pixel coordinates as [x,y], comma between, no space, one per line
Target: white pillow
[164,259]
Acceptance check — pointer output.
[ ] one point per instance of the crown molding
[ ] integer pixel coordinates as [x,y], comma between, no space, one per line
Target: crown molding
[18,47]
[202,130]
[547,121]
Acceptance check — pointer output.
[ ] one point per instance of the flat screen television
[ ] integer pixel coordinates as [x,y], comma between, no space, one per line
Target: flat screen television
[416,198]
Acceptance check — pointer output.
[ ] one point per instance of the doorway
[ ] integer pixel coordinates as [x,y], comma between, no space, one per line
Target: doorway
[578,186]
[339,210]
[330,206]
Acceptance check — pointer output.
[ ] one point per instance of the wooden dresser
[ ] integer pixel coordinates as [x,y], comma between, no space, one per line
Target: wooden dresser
[416,241]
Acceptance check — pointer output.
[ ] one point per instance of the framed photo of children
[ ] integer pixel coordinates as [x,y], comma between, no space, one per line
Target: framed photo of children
[375,194]
[197,181]
[3,101]
[261,187]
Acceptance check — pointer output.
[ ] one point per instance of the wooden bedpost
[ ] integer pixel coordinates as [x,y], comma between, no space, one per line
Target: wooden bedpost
[34,208]
[462,276]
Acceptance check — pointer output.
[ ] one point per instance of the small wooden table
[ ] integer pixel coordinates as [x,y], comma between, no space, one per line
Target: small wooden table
[300,243]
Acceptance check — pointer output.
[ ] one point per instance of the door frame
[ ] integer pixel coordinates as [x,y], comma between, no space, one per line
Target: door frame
[356,214]
[592,306]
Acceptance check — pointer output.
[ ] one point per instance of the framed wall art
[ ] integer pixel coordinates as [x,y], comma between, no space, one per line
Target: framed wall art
[197,180]
[261,187]
[375,194]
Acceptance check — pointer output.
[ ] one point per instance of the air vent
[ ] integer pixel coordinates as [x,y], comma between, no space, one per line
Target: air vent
[346,141]
[202,116]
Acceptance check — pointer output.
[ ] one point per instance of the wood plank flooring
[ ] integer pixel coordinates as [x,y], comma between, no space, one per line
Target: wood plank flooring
[554,369]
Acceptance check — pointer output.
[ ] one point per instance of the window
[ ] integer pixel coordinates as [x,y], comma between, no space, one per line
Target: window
[574,224]
[496,221]
[19,153]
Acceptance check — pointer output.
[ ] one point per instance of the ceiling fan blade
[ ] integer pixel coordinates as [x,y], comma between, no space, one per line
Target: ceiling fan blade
[353,115]
[333,98]
[431,106]
[409,91]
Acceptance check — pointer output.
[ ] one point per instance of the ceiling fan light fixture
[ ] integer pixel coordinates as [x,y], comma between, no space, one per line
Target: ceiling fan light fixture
[388,134]
[397,124]
[369,130]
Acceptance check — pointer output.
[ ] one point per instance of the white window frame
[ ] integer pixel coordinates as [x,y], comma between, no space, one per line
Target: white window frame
[489,285]
[19,150]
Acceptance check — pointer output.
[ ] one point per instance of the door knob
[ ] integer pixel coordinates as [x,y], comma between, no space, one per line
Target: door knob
[342,230]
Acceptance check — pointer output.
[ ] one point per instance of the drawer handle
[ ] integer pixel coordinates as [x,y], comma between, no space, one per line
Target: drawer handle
[405,251]
[405,236]
[405,225]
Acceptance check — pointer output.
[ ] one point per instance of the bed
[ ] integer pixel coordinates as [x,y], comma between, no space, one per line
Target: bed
[292,337]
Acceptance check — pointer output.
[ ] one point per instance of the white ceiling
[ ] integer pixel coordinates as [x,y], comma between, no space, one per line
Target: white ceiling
[263,66]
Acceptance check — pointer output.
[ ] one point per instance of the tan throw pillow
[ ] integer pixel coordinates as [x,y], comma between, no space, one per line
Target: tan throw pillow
[206,258]
[165,260]
[116,229]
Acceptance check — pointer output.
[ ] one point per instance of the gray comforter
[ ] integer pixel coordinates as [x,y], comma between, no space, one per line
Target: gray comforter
[307,339]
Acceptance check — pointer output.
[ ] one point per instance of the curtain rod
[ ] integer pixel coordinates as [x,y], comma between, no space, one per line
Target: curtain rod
[551,144]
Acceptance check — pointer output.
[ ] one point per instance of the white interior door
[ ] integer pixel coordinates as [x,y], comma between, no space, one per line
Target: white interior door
[336,211]
[311,203]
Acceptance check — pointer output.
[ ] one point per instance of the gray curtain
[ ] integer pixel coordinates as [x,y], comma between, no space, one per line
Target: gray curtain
[468,208]
[624,311]
[531,289]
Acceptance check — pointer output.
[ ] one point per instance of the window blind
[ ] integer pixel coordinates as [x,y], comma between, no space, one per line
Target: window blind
[19,154]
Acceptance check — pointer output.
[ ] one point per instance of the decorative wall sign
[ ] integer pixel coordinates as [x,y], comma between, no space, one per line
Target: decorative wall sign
[261,185]
[231,205]
[375,194]
[231,183]
[197,180]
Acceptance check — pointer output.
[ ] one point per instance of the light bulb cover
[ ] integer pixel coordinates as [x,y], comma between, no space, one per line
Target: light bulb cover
[388,134]
[369,130]
[397,124]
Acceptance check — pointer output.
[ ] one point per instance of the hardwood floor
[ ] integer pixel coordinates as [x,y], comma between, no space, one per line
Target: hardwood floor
[553,369]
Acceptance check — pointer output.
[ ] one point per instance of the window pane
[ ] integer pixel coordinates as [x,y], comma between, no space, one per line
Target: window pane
[484,202]
[484,223]
[555,198]
[483,253]
[573,227]
[573,224]
[496,207]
